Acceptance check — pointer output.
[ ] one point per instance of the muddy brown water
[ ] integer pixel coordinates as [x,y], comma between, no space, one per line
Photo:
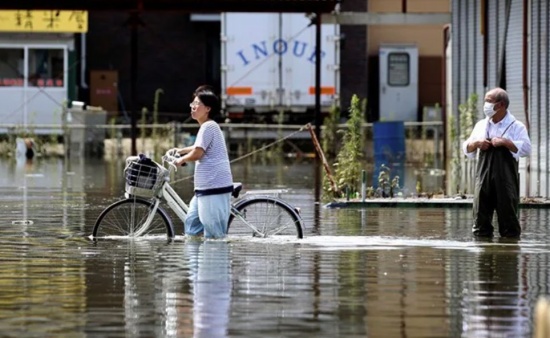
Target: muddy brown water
[376,272]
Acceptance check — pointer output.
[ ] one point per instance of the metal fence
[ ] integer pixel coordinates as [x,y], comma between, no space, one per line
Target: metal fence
[424,140]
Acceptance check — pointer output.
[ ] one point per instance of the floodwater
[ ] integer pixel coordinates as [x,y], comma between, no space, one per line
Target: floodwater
[376,272]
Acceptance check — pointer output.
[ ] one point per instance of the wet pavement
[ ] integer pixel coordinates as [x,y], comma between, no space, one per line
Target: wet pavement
[377,272]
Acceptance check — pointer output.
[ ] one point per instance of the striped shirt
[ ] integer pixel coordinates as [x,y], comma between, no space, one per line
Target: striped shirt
[212,170]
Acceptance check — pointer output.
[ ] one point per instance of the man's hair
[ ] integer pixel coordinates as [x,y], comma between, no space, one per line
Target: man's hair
[500,95]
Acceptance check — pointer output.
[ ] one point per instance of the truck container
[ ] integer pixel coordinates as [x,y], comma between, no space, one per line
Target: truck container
[268,67]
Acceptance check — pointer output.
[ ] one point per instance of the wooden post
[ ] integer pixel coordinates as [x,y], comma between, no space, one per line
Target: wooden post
[321,155]
[66,132]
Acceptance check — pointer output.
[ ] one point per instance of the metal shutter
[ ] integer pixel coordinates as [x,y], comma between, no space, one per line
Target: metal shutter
[538,97]
[514,72]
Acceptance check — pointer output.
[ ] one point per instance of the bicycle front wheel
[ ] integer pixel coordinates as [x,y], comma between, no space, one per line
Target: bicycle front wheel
[264,216]
[128,218]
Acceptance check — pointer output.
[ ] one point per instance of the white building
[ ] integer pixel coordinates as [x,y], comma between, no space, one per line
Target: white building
[38,67]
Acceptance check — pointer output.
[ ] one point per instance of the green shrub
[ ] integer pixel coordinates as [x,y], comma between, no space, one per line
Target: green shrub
[348,164]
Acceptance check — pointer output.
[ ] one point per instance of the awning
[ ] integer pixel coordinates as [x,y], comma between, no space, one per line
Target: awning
[303,6]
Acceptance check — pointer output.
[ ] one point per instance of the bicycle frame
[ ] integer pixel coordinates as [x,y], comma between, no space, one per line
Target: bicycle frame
[180,208]
[241,208]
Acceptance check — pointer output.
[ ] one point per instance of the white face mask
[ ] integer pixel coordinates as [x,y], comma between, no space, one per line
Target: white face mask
[488,109]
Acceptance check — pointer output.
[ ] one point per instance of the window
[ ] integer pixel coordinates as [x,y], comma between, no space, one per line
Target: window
[398,69]
[11,67]
[46,67]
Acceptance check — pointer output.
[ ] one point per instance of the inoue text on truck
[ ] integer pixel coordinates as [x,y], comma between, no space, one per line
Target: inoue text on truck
[268,67]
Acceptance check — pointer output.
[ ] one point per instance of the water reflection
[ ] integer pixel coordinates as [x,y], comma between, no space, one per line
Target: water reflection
[42,289]
[493,299]
[377,272]
[210,276]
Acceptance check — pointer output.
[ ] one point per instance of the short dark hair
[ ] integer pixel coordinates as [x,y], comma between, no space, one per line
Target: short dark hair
[202,88]
[209,99]
[501,95]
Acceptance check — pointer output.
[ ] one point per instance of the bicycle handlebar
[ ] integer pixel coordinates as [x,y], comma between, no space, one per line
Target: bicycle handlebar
[171,158]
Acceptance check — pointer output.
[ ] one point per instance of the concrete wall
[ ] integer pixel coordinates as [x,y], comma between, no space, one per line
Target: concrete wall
[428,38]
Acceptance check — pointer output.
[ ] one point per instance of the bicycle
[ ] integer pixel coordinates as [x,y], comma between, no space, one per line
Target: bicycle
[147,184]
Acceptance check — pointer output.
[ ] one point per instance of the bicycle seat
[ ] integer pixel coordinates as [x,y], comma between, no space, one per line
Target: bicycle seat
[237,187]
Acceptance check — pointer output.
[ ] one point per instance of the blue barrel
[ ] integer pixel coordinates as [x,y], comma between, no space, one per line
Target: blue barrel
[389,141]
[389,149]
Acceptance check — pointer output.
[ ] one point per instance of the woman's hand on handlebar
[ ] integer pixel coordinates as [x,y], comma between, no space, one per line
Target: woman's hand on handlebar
[172,157]
[174,152]
[179,161]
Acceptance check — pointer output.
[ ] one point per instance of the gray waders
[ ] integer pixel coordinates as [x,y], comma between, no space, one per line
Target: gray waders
[496,188]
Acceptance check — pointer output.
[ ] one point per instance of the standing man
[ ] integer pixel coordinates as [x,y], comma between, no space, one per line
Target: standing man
[501,140]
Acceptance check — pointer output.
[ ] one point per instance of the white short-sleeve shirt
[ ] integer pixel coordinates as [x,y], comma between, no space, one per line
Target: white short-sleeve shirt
[212,170]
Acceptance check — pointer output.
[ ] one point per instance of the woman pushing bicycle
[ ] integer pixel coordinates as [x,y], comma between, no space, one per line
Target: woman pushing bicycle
[210,206]
[210,212]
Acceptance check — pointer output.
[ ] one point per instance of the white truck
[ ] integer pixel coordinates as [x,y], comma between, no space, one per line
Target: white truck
[268,67]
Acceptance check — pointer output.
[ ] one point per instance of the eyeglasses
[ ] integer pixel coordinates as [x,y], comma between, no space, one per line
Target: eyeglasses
[195,104]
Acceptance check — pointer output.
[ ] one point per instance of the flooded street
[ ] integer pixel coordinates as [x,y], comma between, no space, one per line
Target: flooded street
[376,272]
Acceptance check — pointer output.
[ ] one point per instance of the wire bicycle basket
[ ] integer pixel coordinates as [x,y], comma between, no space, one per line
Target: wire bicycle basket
[144,177]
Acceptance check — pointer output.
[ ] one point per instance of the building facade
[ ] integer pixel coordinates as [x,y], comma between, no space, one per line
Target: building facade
[504,44]
[428,39]
[178,51]
[38,65]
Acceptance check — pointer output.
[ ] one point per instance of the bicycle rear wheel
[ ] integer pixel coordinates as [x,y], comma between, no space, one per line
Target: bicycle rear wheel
[127,218]
[269,215]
